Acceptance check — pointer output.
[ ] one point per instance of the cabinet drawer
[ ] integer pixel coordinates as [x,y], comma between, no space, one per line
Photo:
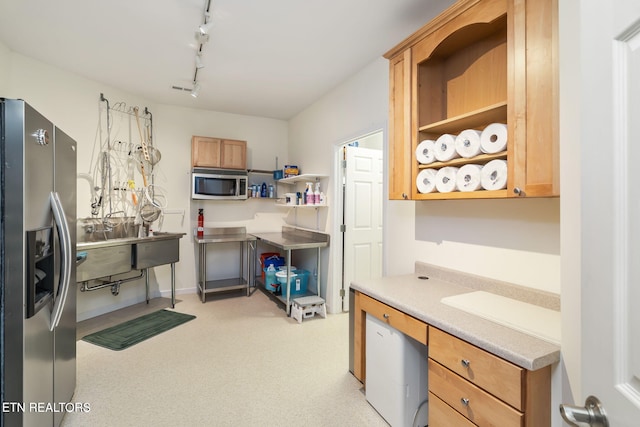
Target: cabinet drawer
[443,415]
[475,404]
[406,324]
[497,376]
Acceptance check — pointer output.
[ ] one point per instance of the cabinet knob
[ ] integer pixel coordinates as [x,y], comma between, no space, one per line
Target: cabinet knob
[404,196]
[465,363]
[386,316]
[464,401]
[519,192]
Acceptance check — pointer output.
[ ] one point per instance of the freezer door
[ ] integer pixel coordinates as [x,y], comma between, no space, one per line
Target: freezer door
[28,180]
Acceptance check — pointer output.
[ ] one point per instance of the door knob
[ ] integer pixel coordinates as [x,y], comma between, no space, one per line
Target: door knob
[592,413]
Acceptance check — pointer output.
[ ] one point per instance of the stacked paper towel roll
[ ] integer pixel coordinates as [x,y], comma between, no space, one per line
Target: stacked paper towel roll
[469,178]
[468,143]
[446,179]
[426,151]
[446,148]
[426,181]
[494,138]
[494,175]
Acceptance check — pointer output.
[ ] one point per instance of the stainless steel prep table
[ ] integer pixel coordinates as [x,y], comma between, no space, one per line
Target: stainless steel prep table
[105,258]
[292,238]
[226,235]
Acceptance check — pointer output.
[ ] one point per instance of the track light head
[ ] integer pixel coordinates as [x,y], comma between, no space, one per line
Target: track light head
[196,90]
[202,34]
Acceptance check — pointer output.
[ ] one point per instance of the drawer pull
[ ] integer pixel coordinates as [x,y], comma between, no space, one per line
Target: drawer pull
[465,363]
[464,401]
[386,316]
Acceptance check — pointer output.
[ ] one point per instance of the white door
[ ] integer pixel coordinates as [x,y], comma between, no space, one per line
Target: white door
[608,127]
[363,215]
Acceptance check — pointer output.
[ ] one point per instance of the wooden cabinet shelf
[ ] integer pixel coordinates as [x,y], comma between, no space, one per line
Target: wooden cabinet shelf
[477,119]
[460,161]
[477,63]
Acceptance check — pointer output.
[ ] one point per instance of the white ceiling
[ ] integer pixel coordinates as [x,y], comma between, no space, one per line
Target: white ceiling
[264,58]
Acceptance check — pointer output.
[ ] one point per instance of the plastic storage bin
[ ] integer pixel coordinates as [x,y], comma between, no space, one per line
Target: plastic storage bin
[297,283]
[270,258]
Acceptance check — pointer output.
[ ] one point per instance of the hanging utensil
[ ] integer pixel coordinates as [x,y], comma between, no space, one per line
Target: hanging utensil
[148,155]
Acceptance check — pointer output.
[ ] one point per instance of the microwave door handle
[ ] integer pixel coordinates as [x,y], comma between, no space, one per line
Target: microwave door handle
[66,251]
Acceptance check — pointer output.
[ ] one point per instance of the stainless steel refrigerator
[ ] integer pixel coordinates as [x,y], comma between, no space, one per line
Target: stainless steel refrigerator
[38,292]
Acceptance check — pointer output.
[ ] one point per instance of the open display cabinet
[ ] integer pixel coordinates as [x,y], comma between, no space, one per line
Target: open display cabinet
[479,62]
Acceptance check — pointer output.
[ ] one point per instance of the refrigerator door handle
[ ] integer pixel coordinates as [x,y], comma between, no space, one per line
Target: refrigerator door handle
[65,268]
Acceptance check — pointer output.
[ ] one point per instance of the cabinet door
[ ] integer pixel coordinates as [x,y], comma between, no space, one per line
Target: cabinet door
[205,152]
[400,152]
[233,154]
[533,103]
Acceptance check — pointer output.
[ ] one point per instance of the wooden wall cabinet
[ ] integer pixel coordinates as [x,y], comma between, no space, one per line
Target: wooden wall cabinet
[400,154]
[479,62]
[207,152]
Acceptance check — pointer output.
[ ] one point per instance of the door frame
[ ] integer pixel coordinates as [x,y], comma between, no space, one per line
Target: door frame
[341,303]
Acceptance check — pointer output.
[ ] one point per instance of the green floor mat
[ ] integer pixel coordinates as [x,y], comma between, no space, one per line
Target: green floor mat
[137,330]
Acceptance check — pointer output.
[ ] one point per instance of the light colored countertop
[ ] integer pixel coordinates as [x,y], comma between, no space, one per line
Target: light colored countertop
[291,238]
[421,298]
[223,238]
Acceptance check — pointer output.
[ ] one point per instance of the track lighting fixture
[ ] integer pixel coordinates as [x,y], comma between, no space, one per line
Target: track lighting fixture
[202,36]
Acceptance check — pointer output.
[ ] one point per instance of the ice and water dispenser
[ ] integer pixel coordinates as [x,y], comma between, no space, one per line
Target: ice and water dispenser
[39,286]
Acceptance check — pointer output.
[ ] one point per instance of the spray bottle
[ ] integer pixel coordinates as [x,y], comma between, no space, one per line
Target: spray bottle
[200,223]
[308,194]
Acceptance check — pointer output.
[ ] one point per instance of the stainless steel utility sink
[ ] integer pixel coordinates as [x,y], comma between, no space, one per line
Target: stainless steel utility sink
[104,257]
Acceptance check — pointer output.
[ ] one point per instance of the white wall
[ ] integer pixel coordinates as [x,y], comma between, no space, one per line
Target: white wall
[517,241]
[355,108]
[571,212]
[72,102]
[5,62]
[266,139]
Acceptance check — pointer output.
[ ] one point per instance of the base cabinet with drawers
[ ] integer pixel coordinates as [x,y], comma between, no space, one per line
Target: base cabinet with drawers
[467,385]
[485,389]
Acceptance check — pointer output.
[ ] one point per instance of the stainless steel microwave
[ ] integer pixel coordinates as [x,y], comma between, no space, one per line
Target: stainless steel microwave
[219,184]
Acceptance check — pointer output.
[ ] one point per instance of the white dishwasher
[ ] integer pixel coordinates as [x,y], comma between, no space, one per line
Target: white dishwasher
[396,375]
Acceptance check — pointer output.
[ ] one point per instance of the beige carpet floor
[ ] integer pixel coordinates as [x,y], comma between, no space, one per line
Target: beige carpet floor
[241,362]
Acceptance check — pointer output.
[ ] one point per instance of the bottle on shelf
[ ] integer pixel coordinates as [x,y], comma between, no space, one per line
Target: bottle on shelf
[316,194]
[309,196]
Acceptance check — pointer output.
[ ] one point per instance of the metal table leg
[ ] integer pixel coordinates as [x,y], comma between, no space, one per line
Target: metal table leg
[288,282]
[146,283]
[318,272]
[173,285]
[203,271]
